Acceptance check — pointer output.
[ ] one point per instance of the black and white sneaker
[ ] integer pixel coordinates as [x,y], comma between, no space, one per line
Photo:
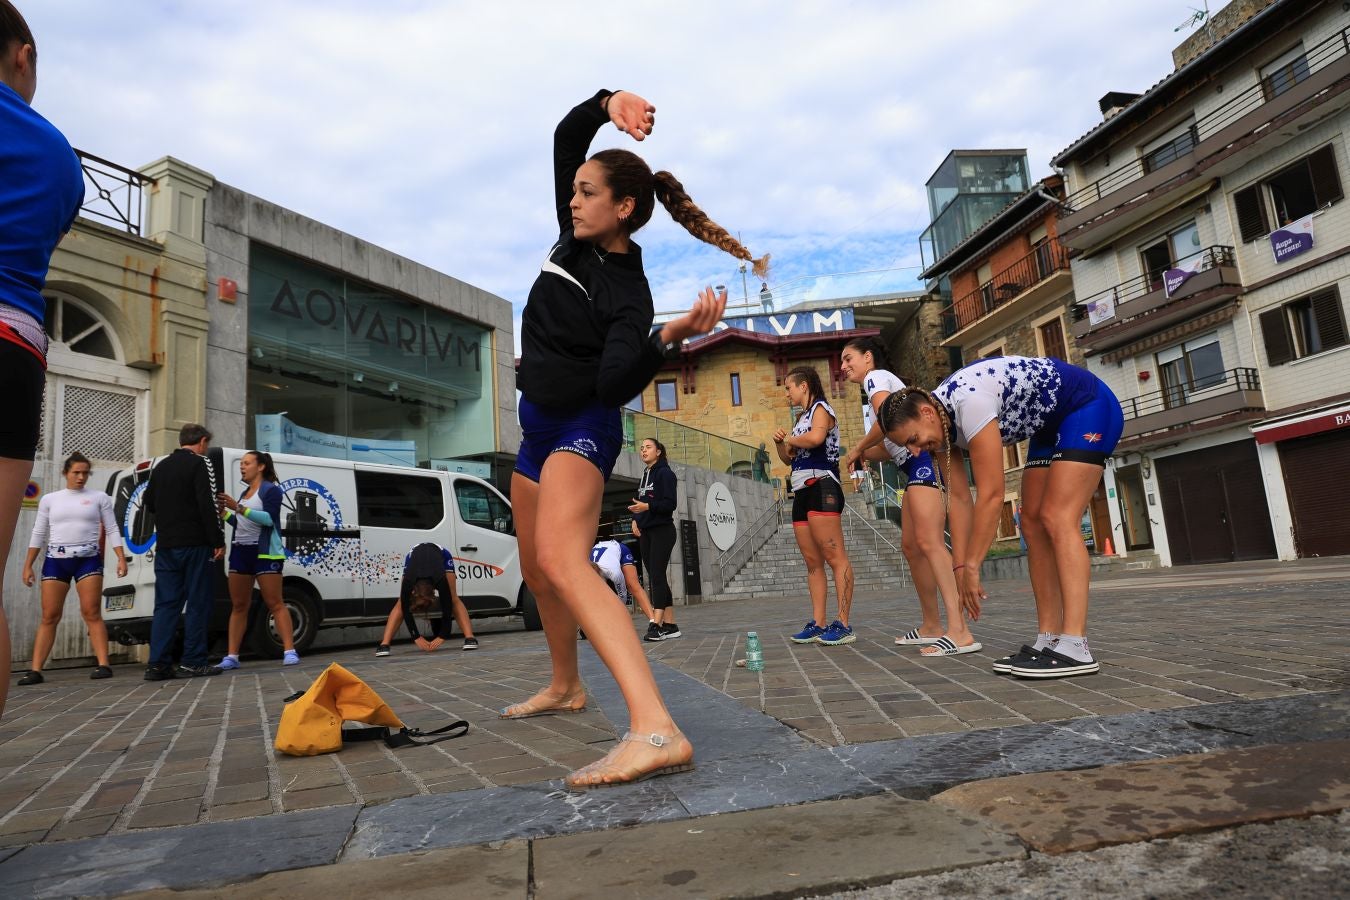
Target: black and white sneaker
[670,630]
[382,650]
[1004,665]
[471,643]
[654,634]
[1049,664]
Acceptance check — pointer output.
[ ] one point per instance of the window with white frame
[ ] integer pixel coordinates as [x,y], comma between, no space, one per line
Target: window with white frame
[1190,367]
[1162,254]
[1283,72]
[1169,147]
[1293,192]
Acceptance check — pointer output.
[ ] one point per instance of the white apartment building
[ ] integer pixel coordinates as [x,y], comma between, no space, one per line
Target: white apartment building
[1210,236]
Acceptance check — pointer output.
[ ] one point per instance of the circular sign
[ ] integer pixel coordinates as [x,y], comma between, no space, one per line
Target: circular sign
[720,512]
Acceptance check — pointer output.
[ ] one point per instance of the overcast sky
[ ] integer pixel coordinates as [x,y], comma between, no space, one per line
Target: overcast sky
[425,127]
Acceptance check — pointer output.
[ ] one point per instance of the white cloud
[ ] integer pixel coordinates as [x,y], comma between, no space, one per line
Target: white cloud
[425,126]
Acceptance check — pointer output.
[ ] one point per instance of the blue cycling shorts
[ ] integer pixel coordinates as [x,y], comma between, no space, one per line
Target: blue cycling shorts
[71,568]
[593,432]
[921,471]
[1088,433]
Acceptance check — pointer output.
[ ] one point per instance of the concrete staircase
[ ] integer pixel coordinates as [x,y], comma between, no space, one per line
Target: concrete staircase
[777,569]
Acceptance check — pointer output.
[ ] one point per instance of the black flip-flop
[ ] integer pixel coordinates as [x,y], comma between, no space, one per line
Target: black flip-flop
[101,672]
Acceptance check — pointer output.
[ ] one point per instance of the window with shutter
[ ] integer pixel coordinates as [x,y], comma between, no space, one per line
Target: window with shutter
[1325,179]
[1275,331]
[1251,213]
[1330,318]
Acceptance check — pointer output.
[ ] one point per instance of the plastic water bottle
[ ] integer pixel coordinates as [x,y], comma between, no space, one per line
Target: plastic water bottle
[754,654]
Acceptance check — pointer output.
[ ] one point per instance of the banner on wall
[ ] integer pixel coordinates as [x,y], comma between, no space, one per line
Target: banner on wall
[1101,310]
[278,434]
[1293,239]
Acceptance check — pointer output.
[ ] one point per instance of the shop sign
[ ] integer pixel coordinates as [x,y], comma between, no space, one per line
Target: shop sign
[815,321]
[278,434]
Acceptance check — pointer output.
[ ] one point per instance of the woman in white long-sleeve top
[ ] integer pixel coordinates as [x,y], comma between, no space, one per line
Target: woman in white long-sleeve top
[71,525]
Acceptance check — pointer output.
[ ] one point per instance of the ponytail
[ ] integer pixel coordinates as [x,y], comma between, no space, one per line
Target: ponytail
[872,345]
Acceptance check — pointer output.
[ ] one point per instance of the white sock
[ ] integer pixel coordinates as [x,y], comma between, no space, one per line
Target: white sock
[1074,647]
[1043,640]
[233,656]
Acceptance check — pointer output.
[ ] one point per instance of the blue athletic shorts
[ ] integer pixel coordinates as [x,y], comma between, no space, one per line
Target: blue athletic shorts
[593,432]
[921,471]
[64,569]
[1087,433]
[244,560]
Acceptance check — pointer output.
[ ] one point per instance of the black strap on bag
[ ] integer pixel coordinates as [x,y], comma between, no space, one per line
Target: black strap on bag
[405,737]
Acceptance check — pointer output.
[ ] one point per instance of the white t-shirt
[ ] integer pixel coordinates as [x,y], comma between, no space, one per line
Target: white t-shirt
[68,522]
[246,531]
[611,557]
[879,380]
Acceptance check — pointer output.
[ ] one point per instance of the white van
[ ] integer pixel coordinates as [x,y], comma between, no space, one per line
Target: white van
[346,528]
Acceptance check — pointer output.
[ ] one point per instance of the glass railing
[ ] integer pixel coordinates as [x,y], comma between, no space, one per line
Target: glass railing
[692,447]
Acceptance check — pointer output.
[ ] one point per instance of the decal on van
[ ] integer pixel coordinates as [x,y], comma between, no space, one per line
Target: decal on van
[472,568]
[131,520]
[308,506]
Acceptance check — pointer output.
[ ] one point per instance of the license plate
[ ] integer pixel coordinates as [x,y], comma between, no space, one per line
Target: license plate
[119,603]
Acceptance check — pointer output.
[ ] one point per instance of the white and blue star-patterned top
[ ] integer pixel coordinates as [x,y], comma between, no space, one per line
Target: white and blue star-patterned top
[879,380]
[1025,395]
[817,462]
[611,557]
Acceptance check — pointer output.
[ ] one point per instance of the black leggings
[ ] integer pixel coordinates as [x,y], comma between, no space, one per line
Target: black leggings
[655,544]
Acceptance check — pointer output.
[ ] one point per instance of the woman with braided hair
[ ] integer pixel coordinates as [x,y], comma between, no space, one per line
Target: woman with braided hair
[1072,421]
[922,515]
[587,347]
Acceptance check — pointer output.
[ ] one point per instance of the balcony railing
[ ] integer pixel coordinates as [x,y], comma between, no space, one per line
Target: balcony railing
[1038,265]
[1143,293]
[1318,57]
[1225,392]
[113,193]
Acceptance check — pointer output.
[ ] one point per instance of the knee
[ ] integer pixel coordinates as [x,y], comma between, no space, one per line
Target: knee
[1059,527]
[92,616]
[51,619]
[555,569]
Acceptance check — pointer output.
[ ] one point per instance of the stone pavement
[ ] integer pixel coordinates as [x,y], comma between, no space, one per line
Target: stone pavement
[1193,660]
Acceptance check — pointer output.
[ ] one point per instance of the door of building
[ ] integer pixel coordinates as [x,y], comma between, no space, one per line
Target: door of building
[1214,505]
[1134,511]
[1317,480]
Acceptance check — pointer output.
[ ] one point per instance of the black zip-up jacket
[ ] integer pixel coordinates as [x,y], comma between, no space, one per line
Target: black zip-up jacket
[658,492]
[181,495]
[585,333]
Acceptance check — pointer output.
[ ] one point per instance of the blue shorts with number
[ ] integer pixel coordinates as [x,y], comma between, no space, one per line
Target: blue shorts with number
[66,568]
[1087,433]
[592,432]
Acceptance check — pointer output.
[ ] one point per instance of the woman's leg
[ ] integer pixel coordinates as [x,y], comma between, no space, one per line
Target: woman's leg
[560,628]
[1040,552]
[816,583]
[927,518]
[269,586]
[1068,491]
[645,551]
[924,574]
[391,624]
[828,534]
[241,593]
[567,511]
[13,479]
[662,545]
[90,591]
[53,606]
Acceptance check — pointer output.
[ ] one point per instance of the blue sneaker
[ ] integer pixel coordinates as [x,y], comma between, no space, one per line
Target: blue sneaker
[291,658]
[808,635]
[229,662]
[838,633]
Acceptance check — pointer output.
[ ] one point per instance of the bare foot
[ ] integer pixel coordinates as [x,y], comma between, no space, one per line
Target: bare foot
[636,758]
[547,703]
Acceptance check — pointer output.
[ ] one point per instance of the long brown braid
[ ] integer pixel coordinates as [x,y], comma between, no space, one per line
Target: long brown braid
[903,406]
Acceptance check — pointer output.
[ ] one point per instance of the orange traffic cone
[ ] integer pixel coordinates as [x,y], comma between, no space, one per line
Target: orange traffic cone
[1107,549]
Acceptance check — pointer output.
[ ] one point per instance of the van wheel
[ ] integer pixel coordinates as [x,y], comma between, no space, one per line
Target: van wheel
[529,609]
[304,620]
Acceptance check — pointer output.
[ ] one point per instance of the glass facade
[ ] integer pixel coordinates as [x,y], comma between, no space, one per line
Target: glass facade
[359,372]
[967,190]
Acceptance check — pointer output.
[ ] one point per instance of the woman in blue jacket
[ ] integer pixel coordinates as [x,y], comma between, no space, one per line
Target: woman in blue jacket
[256,554]
[654,527]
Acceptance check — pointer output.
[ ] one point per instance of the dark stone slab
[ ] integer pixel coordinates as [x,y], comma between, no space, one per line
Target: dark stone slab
[738,783]
[7,852]
[192,856]
[1060,812]
[718,726]
[502,813]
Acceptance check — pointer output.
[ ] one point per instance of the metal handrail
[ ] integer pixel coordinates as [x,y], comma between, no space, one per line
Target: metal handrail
[1191,391]
[117,192]
[728,559]
[1148,283]
[877,536]
[1242,103]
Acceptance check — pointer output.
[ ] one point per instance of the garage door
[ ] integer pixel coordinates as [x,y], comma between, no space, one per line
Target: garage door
[1214,505]
[1317,480]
